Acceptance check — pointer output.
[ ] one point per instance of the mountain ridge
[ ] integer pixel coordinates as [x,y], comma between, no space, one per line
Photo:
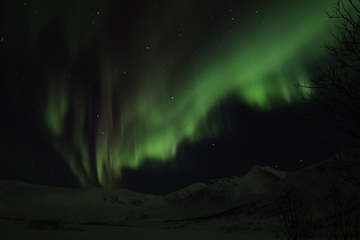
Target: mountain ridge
[196,200]
[249,194]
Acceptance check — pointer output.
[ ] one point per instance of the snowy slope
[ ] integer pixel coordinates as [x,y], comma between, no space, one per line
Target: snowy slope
[313,183]
[243,205]
[19,199]
[216,196]
[86,204]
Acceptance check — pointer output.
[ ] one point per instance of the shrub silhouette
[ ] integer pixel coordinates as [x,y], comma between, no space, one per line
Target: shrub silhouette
[51,224]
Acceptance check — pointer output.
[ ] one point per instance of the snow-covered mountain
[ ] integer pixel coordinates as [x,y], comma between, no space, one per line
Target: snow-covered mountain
[19,199]
[224,201]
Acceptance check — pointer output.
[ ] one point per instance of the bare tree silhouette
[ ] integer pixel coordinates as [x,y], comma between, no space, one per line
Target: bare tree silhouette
[341,214]
[336,89]
[296,217]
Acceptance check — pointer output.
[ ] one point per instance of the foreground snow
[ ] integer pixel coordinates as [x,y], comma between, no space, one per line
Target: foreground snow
[135,233]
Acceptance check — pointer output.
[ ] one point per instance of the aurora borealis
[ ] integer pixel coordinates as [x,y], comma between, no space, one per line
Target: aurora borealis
[127,82]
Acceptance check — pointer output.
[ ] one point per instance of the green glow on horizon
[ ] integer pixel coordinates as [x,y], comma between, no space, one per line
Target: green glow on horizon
[259,69]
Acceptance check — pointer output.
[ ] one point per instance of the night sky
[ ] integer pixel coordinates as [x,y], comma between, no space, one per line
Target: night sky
[156,95]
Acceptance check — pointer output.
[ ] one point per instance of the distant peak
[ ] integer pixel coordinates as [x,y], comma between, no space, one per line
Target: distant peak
[267,170]
[257,168]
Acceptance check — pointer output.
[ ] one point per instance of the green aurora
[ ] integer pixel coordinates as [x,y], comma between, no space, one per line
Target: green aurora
[258,64]
[157,118]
